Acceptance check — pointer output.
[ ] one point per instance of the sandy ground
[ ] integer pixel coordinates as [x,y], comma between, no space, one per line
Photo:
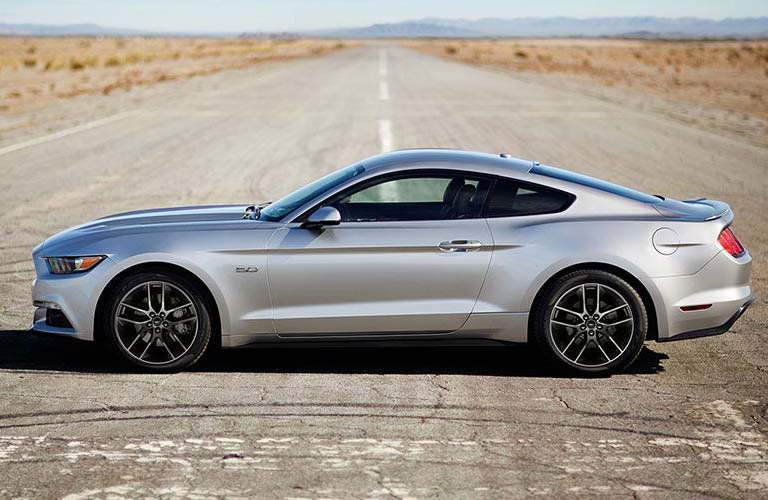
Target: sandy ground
[689,419]
[36,71]
[713,84]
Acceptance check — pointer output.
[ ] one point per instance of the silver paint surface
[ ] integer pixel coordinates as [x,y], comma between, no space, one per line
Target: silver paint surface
[361,280]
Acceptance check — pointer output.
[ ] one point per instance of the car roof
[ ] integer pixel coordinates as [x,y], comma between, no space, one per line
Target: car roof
[405,157]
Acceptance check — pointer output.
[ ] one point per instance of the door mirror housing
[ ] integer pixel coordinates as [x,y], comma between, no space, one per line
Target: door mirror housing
[323,216]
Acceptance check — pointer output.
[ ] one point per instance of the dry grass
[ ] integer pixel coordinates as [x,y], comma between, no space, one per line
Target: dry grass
[37,70]
[729,75]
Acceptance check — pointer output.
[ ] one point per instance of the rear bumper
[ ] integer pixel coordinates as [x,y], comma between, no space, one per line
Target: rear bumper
[720,292]
[709,332]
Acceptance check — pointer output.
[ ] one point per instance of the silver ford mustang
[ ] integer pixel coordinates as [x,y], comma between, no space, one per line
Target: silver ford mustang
[417,245]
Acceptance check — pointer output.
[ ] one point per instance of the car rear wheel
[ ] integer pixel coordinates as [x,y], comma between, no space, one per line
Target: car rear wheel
[591,321]
[158,321]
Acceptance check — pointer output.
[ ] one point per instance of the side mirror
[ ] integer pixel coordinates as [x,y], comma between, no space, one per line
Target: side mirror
[323,216]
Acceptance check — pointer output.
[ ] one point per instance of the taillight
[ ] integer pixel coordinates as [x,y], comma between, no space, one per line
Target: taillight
[730,243]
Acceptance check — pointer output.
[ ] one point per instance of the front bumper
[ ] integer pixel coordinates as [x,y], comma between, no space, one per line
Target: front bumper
[73,297]
[721,287]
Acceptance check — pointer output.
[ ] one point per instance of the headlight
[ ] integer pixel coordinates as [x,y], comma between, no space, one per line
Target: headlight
[69,265]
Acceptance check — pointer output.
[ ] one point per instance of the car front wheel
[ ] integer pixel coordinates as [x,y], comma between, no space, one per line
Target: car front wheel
[591,321]
[158,321]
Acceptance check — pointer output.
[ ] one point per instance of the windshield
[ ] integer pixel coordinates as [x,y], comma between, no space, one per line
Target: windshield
[287,204]
[585,180]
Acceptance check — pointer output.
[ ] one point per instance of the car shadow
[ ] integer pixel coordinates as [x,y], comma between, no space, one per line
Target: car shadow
[23,351]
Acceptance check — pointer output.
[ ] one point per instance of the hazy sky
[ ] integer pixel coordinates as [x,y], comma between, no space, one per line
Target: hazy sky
[271,15]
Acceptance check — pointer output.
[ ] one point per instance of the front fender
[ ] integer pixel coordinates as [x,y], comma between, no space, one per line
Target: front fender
[162,258]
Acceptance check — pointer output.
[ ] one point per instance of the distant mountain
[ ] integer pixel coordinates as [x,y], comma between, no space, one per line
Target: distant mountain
[645,27]
[65,30]
[407,29]
[683,27]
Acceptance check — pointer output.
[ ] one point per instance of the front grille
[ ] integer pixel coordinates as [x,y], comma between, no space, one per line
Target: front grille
[56,318]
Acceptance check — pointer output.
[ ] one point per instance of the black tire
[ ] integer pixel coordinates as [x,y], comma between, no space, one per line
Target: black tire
[196,333]
[625,328]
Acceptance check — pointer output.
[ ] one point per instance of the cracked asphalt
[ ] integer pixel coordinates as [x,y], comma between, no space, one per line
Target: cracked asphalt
[687,420]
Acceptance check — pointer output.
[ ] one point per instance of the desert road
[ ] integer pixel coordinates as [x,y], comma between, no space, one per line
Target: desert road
[689,419]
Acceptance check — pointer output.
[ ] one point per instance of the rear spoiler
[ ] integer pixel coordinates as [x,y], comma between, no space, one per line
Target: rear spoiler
[700,209]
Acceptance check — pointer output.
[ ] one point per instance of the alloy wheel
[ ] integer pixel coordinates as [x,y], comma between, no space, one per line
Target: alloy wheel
[591,325]
[156,322]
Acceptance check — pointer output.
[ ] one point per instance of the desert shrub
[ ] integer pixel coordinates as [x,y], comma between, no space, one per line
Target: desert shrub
[521,54]
[76,65]
[30,62]
[451,50]
[113,61]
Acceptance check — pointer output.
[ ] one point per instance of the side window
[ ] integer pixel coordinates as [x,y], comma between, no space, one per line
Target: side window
[509,198]
[408,190]
[414,197]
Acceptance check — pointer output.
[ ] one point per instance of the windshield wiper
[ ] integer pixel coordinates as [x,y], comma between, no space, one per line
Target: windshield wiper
[252,212]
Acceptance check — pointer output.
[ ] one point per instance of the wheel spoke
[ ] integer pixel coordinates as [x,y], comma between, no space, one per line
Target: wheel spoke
[138,336]
[169,351]
[120,318]
[174,337]
[145,349]
[569,311]
[597,301]
[563,324]
[607,358]
[149,296]
[614,343]
[613,310]
[571,342]
[584,299]
[617,322]
[576,360]
[176,322]
[162,296]
[171,311]
[129,306]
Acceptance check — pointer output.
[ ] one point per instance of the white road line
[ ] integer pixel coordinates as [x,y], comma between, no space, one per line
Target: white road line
[69,131]
[382,63]
[385,135]
[383,91]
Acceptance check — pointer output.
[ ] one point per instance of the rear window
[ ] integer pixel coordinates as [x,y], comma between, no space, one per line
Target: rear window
[591,182]
[510,198]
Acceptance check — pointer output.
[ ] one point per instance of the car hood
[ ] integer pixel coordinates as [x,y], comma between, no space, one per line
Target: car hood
[161,219]
[173,215]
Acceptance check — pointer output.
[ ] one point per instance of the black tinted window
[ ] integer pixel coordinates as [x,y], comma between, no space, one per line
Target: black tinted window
[412,197]
[509,198]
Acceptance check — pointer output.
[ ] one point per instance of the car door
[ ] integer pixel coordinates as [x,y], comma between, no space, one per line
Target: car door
[409,256]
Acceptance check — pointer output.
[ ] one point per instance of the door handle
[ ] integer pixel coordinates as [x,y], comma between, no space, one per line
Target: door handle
[460,246]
